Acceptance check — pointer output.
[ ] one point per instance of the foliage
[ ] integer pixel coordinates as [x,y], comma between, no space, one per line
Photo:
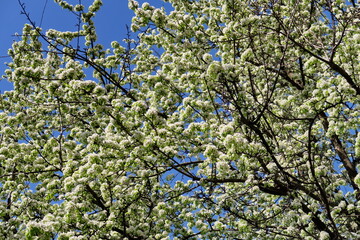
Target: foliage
[225,119]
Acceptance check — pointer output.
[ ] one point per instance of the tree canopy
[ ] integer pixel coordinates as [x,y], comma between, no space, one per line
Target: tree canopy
[220,119]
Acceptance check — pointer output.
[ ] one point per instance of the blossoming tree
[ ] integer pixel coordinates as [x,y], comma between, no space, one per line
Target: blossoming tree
[225,119]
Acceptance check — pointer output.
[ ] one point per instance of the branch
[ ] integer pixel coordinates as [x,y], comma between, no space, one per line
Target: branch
[335,141]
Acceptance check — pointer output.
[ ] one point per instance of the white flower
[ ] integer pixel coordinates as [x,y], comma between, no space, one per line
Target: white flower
[207,57]
[246,54]
[133,4]
[324,235]
[357,145]
[357,179]
[356,37]
[162,213]
[271,166]
[211,151]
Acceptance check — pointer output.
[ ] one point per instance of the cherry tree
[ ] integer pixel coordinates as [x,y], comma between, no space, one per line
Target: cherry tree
[222,119]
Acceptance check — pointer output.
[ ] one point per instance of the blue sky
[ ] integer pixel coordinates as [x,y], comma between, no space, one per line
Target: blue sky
[110,21]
